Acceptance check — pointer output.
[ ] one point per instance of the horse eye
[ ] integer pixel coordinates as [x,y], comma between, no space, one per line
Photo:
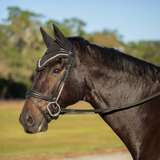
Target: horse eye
[56,71]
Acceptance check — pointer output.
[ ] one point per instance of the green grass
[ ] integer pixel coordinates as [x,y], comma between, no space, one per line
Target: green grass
[70,135]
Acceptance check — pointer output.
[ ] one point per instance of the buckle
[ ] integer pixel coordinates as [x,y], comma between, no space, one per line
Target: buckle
[55,106]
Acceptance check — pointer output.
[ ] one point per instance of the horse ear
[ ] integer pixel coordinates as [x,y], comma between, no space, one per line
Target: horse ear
[61,39]
[47,39]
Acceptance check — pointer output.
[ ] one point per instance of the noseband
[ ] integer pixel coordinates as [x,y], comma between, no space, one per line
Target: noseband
[54,104]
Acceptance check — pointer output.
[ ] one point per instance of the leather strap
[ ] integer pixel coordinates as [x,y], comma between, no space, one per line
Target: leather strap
[33,93]
[110,110]
[37,105]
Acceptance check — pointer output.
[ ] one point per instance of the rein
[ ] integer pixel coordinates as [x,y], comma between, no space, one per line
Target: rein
[109,110]
[55,107]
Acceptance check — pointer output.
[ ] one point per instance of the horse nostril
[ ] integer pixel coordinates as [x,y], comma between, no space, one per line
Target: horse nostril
[29,120]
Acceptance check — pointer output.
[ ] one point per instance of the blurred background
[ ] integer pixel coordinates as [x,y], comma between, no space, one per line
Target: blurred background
[129,26]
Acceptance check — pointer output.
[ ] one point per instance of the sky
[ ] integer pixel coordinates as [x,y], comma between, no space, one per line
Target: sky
[135,20]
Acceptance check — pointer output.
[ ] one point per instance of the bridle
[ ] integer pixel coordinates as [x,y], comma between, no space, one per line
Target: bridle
[57,110]
[54,104]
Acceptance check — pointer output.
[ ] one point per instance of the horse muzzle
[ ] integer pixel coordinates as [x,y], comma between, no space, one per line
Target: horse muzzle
[31,125]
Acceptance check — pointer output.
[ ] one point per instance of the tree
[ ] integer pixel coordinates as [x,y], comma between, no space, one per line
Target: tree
[106,38]
[146,50]
[75,26]
[49,28]
[19,38]
[21,46]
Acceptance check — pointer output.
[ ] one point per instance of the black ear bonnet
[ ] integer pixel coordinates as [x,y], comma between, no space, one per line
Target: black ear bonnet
[55,49]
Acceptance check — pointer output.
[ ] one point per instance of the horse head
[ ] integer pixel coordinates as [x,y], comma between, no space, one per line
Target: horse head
[57,84]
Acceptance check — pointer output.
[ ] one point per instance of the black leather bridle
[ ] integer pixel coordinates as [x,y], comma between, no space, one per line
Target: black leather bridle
[54,104]
[55,107]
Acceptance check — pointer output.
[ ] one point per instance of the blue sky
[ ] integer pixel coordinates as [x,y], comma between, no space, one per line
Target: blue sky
[135,20]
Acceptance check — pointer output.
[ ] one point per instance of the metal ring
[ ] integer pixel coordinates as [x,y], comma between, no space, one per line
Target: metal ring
[56,114]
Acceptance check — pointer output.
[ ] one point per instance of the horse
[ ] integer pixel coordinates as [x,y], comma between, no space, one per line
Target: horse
[72,69]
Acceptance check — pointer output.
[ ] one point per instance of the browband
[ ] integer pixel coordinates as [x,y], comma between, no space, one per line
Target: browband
[52,55]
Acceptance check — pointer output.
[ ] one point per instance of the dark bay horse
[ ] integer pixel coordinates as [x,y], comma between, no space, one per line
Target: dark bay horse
[72,69]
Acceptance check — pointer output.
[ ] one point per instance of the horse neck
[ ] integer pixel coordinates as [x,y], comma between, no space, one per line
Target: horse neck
[107,88]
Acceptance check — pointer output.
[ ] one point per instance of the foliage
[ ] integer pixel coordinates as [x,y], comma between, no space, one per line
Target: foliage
[22,45]
[75,26]
[106,38]
[146,50]
[17,43]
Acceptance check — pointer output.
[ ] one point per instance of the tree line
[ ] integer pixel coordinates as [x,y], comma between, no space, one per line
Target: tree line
[22,45]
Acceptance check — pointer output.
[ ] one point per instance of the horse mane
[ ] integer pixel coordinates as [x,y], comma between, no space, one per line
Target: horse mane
[116,60]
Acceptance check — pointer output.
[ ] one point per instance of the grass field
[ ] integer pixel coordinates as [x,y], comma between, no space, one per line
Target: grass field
[70,135]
